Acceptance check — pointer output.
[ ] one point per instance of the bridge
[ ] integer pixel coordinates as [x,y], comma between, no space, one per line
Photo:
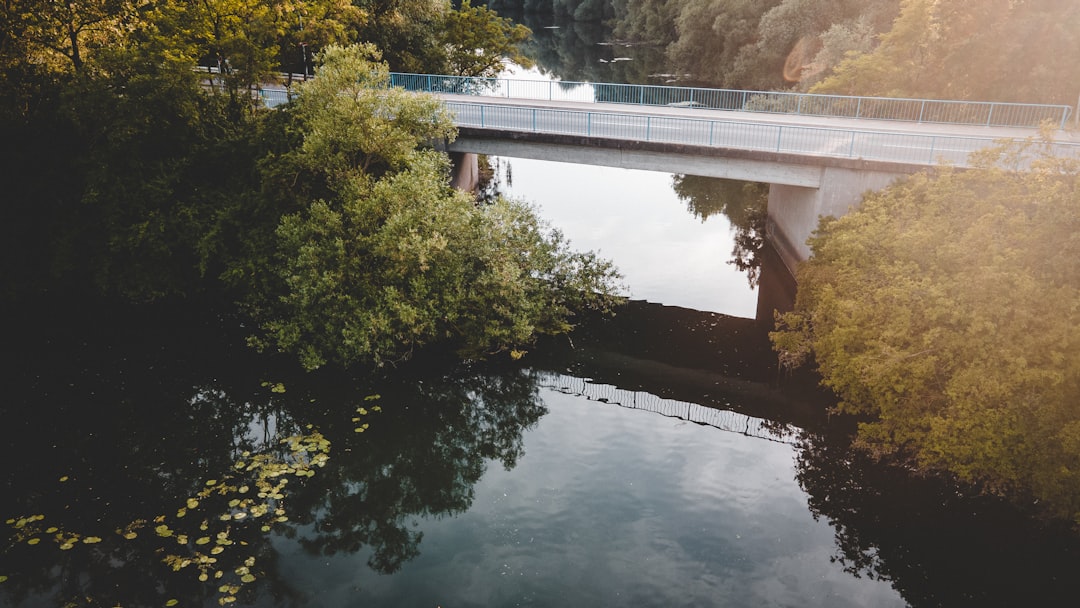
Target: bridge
[819,153]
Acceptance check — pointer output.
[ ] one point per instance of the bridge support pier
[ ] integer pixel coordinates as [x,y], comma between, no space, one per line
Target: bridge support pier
[464,171]
[794,210]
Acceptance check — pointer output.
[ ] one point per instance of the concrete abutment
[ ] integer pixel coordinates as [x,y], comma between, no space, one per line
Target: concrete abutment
[465,171]
[794,211]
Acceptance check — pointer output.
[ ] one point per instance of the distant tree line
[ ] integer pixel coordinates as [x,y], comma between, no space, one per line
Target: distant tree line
[992,50]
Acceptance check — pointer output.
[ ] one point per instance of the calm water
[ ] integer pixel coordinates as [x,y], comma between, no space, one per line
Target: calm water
[666,254]
[609,507]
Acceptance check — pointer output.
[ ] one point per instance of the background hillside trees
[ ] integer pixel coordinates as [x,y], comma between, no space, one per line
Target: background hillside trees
[755,45]
[991,50]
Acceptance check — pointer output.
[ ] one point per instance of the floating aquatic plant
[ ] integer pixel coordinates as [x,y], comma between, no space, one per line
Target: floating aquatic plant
[252,493]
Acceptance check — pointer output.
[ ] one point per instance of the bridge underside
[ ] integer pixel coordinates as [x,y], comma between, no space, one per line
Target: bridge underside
[649,156]
[801,188]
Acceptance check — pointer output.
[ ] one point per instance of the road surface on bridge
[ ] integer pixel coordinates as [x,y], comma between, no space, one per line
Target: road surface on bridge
[890,141]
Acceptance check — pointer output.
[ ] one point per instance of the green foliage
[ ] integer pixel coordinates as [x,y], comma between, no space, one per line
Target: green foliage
[62,35]
[381,256]
[477,41]
[406,32]
[754,45]
[947,50]
[946,310]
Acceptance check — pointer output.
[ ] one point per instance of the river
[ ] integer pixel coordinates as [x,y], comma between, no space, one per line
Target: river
[658,458]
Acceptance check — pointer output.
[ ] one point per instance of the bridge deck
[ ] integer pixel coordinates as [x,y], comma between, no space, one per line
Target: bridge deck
[794,120]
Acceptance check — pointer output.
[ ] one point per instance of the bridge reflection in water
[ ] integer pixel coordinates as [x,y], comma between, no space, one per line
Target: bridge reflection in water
[725,420]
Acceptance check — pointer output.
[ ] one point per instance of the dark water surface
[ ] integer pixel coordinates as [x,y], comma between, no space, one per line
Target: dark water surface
[656,463]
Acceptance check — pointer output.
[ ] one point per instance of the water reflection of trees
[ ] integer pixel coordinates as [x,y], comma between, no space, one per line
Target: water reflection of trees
[745,206]
[428,448]
[585,52]
[110,422]
[938,544]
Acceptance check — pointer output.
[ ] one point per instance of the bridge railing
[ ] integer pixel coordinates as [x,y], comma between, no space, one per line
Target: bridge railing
[993,114]
[769,137]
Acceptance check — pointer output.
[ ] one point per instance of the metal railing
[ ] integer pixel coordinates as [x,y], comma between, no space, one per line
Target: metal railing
[994,114]
[739,134]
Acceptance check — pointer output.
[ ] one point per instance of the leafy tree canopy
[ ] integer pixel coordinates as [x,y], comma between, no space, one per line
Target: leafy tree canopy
[328,220]
[946,311]
[381,256]
[995,50]
[477,41]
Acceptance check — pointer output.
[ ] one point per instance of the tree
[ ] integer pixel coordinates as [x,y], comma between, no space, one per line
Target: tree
[477,40]
[934,312]
[406,32]
[381,256]
[944,49]
[63,34]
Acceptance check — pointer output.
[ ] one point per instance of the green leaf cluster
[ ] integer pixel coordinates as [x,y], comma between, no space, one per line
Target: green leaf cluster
[477,41]
[382,256]
[946,312]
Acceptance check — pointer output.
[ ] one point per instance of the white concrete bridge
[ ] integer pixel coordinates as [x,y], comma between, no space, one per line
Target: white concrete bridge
[815,166]
[819,153]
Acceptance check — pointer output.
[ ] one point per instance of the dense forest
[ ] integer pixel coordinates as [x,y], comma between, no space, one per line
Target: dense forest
[133,175]
[990,50]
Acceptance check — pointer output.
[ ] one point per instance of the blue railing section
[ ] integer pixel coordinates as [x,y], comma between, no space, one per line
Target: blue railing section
[838,106]
[740,134]
[273,98]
